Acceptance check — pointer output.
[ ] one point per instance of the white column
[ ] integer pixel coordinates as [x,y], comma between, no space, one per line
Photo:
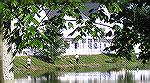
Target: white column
[87,48]
[7,64]
[93,49]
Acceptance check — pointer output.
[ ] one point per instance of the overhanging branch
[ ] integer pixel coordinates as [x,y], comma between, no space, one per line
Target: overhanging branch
[44,16]
[94,23]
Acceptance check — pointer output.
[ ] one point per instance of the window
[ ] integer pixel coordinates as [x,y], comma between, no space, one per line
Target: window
[100,45]
[76,45]
[95,40]
[83,40]
[72,41]
[104,45]
[95,43]
[90,43]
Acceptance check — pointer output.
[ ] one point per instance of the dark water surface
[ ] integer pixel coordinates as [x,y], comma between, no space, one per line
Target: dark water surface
[122,76]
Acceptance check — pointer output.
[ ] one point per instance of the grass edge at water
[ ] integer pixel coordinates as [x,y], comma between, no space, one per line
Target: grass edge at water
[86,64]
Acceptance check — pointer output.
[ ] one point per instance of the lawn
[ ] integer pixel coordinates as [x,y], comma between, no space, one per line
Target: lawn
[20,62]
[89,63]
[65,63]
[98,62]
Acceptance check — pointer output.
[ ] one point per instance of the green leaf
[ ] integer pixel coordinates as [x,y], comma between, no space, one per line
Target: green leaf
[80,5]
[70,25]
[1,7]
[44,36]
[78,37]
[25,35]
[14,2]
[35,21]
[94,34]
[34,9]
[22,45]
[27,18]
[40,44]
[32,29]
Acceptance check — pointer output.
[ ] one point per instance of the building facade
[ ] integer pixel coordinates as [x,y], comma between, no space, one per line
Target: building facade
[87,46]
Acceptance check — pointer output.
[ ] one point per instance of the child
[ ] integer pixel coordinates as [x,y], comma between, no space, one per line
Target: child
[29,62]
[77,58]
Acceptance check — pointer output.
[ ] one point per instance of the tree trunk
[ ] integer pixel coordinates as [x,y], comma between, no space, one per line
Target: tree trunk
[6,64]
[7,59]
[1,53]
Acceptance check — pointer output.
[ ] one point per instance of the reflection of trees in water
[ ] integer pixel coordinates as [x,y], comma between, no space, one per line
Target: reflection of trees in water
[133,77]
[143,78]
[127,78]
[49,77]
[120,77]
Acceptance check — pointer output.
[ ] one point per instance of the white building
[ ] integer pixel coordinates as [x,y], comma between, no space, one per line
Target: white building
[88,45]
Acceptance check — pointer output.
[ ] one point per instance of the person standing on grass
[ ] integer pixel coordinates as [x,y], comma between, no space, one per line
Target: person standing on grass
[29,61]
[77,58]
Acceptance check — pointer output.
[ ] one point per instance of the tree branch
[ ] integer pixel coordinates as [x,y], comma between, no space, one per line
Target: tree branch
[94,23]
[44,17]
[103,24]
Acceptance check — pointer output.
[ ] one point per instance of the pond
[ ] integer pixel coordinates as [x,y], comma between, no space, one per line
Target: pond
[122,76]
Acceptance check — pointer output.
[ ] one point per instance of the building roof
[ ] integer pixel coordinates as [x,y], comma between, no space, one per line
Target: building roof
[89,8]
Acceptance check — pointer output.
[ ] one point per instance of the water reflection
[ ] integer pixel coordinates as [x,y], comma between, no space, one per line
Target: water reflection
[127,78]
[29,76]
[123,76]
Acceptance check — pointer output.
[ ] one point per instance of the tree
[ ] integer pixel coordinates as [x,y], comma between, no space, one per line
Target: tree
[135,19]
[1,44]
[134,16]
[57,43]
[26,33]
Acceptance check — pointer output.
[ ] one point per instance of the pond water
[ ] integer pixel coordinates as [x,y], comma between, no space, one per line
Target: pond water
[122,76]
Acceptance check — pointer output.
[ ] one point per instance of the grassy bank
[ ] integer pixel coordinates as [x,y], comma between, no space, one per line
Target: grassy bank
[90,63]
[68,63]
[99,63]
[63,63]
[20,63]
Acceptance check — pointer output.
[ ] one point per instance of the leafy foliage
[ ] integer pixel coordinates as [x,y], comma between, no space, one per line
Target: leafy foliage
[25,34]
[54,43]
[135,19]
[28,32]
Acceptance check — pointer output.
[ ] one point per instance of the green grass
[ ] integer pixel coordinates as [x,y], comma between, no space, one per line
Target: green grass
[90,63]
[69,62]
[35,73]
[84,59]
[20,62]
[99,62]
